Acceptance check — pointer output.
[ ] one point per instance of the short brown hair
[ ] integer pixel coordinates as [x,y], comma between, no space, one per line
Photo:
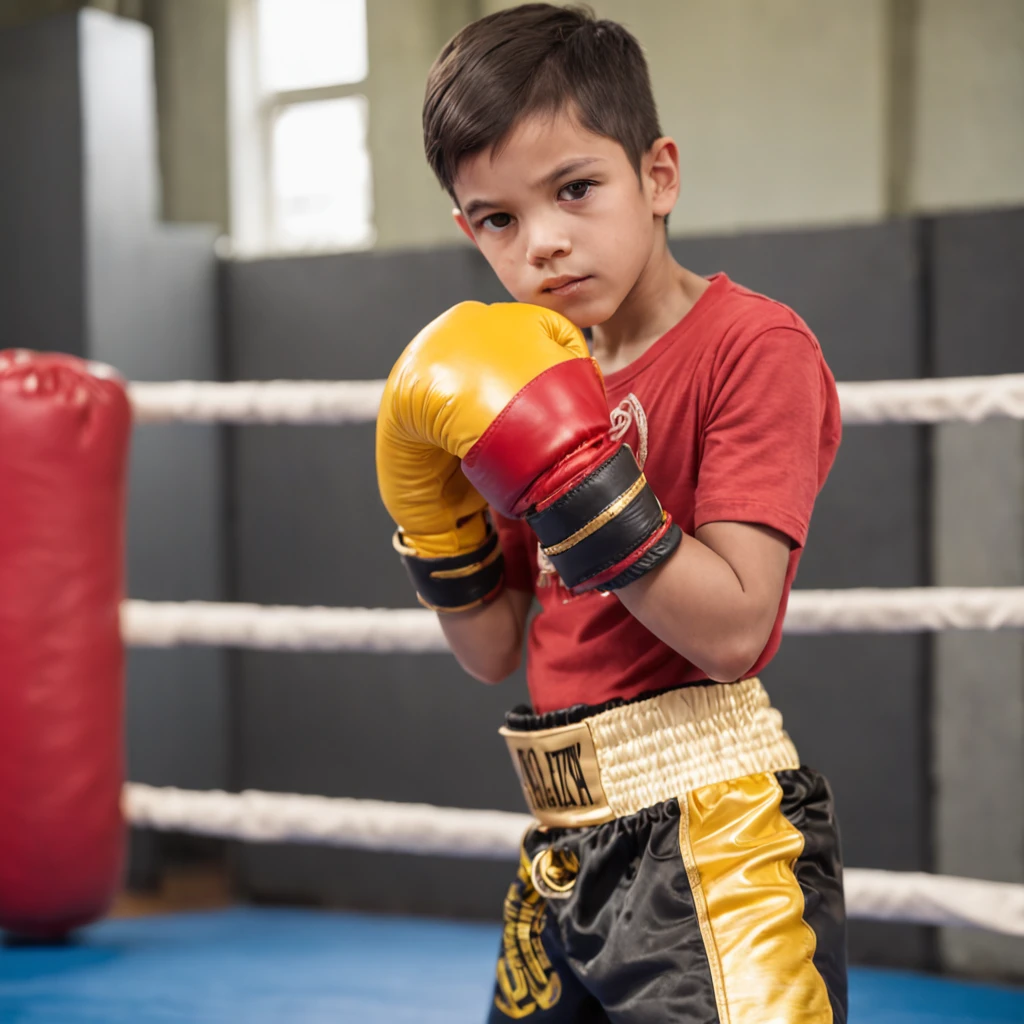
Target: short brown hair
[532,59]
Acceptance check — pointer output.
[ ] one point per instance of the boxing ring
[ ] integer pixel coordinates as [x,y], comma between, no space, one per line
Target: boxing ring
[257,965]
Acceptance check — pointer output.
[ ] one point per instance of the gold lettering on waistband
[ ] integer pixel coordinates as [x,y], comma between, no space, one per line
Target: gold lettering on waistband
[559,773]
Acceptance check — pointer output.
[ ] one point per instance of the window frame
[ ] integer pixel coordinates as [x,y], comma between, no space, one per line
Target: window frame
[252,112]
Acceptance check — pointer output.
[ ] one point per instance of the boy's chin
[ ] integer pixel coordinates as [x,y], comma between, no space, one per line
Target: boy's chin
[582,314]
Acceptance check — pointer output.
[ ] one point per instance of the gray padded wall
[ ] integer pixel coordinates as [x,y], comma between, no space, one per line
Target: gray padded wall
[42,284]
[856,705]
[309,528]
[88,270]
[978,309]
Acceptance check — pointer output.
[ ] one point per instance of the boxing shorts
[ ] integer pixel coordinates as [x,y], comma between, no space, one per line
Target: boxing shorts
[684,867]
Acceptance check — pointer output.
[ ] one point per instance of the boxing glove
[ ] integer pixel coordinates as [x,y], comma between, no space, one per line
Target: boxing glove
[64,433]
[503,402]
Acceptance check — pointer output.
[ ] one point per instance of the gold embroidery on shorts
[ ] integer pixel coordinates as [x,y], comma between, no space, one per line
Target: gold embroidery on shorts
[526,980]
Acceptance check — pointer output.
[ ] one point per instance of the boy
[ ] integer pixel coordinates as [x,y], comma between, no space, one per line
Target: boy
[684,867]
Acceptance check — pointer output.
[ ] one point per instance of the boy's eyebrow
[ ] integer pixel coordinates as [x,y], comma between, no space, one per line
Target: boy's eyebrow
[475,206]
[569,167]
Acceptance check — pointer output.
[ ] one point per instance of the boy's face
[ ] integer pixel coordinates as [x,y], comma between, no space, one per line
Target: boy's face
[560,215]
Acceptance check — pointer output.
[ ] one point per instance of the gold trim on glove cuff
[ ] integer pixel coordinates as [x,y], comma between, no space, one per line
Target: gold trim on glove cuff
[605,516]
[466,570]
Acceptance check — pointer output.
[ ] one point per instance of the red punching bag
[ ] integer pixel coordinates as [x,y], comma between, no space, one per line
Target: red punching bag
[65,426]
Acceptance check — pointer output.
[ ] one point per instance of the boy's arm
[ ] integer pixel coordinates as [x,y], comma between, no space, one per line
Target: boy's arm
[488,641]
[715,600]
[772,431]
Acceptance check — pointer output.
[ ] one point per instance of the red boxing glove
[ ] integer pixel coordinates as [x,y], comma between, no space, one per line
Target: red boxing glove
[64,431]
[550,459]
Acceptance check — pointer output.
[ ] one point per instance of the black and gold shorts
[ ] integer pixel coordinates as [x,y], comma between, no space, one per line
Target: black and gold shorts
[684,868]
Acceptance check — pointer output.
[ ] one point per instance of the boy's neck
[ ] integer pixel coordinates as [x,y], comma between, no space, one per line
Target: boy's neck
[663,294]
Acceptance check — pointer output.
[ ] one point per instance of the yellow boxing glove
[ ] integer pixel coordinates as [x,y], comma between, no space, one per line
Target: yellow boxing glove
[446,388]
[502,405]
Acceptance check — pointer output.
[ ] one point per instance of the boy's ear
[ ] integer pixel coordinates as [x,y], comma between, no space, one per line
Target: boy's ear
[464,224]
[662,167]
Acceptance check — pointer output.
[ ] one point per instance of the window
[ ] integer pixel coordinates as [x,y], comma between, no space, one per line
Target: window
[301,174]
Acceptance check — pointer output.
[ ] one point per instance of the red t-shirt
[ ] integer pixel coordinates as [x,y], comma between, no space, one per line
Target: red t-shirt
[733,415]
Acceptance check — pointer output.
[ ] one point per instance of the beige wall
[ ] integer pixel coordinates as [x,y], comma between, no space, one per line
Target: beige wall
[405,37]
[787,113]
[969,140]
[190,43]
[778,108]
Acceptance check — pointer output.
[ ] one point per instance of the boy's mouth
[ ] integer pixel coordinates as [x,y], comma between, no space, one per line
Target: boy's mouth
[564,285]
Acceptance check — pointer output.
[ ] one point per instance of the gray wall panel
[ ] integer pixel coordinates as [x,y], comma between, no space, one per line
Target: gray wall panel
[853,286]
[42,291]
[402,727]
[978,303]
[309,528]
[978,308]
[342,317]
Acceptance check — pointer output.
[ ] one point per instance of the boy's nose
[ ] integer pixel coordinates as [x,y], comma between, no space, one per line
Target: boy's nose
[547,243]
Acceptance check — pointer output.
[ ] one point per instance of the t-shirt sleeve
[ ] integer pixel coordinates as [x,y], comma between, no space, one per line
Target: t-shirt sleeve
[770,436]
[519,547]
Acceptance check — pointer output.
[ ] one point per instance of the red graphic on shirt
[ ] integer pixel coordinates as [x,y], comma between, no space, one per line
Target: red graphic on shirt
[629,424]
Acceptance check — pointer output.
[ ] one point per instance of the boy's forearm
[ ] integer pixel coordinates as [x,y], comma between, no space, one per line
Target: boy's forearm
[487,641]
[700,605]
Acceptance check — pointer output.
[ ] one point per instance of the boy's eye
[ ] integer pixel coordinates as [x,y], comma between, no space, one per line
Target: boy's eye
[575,190]
[496,221]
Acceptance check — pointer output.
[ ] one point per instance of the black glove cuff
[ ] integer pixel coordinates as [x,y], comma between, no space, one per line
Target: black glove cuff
[601,522]
[459,582]
[655,555]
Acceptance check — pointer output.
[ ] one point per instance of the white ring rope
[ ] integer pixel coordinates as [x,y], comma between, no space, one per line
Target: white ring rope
[260,817]
[913,897]
[274,401]
[909,610]
[936,400]
[380,630]
[270,628]
[379,825]
[939,400]
[423,829]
